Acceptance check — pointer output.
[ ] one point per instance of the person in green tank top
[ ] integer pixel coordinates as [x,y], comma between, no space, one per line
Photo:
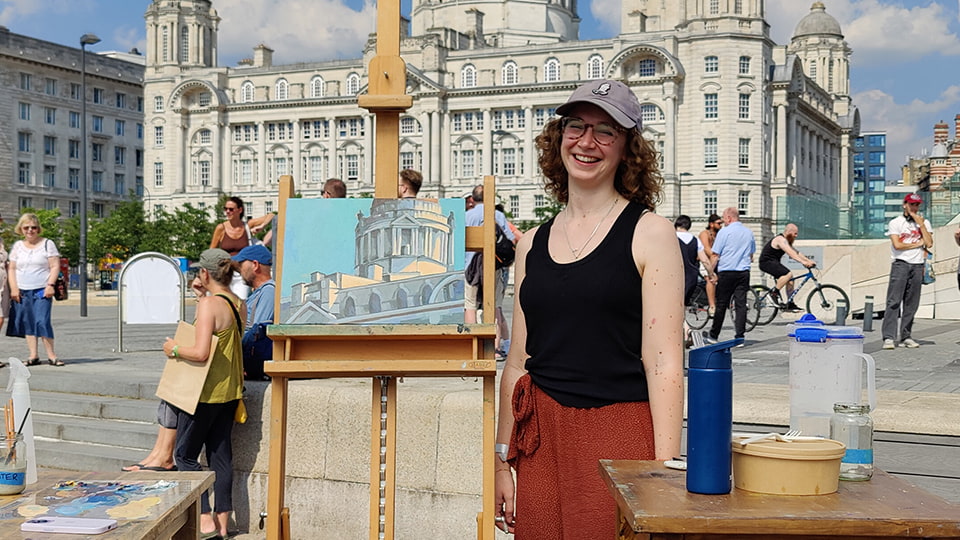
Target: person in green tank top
[211,425]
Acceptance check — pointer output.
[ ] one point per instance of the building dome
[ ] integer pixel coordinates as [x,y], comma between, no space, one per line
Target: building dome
[818,23]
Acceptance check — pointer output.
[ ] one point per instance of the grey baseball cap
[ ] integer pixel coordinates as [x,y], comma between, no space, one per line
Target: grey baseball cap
[210,258]
[612,96]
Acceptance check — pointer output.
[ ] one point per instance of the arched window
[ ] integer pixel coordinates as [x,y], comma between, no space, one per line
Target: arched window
[165,44]
[551,70]
[468,76]
[509,73]
[595,67]
[184,44]
[353,84]
[401,299]
[282,89]
[711,64]
[316,87]
[246,92]
[650,113]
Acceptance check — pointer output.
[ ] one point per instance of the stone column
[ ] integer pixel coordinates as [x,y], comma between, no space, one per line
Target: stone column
[780,144]
[261,181]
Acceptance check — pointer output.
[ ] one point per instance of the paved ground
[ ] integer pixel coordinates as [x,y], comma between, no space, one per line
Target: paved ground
[919,388]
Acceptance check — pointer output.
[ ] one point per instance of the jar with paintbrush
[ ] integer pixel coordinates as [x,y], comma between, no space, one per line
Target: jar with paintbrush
[13,456]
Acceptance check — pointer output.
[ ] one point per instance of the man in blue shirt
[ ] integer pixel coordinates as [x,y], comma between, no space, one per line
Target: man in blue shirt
[255,264]
[733,250]
[474,218]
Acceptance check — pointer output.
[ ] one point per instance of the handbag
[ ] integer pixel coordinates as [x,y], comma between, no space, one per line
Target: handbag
[60,291]
[240,415]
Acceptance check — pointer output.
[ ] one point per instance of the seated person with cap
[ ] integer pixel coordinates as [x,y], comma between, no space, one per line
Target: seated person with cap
[255,265]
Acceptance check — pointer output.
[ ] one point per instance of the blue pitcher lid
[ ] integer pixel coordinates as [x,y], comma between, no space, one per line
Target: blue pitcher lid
[809,329]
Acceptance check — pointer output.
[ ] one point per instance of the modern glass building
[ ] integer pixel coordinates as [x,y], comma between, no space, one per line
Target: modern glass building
[869,184]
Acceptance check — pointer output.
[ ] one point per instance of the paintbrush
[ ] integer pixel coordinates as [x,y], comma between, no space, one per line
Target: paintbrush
[13,441]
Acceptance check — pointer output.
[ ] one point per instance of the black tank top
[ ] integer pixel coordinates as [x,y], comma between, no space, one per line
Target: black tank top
[770,253]
[584,320]
[691,265]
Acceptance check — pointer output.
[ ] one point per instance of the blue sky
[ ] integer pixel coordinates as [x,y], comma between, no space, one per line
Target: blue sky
[904,69]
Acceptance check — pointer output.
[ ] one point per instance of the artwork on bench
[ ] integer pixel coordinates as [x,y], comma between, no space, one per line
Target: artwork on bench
[372,261]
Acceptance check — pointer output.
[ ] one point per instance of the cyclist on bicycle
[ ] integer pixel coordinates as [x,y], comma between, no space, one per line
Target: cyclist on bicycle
[770,257]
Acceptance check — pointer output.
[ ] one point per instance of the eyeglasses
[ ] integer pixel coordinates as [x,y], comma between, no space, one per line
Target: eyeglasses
[230,208]
[603,133]
[30,228]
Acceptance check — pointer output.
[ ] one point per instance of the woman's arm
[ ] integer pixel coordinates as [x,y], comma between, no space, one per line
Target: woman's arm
[12,277]
[54,263]
[259,222]
[217,236]
[505,491]
[657,254]
[205,328]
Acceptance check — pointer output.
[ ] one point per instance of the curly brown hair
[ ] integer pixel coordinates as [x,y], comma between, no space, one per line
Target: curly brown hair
[638,175]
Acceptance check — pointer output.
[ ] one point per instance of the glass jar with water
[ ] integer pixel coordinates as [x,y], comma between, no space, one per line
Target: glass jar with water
[851,424]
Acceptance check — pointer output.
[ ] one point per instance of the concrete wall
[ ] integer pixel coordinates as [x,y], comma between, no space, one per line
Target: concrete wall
[328,458]
[862,268]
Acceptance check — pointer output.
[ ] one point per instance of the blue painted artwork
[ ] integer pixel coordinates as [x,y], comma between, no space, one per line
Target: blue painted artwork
[372,261]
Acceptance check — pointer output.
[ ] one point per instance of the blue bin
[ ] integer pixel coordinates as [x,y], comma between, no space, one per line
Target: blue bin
[184,264]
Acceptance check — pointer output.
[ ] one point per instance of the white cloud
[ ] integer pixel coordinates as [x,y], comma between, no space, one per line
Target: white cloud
[909,126]
[298,30]
[607,13]
[128,37]
[878,31]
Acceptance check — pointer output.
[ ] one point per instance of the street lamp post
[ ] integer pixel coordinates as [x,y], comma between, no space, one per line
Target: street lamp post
[86,39]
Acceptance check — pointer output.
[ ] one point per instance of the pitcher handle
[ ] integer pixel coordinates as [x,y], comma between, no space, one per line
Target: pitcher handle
[871,379]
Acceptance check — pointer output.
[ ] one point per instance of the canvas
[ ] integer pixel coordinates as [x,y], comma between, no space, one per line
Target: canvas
[372,261]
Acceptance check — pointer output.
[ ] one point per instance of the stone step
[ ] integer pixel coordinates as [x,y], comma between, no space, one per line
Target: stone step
[77,456]
[95,406]
[126,434]
[120,383]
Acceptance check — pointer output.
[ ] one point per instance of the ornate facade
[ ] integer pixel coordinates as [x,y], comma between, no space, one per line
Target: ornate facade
[738,120]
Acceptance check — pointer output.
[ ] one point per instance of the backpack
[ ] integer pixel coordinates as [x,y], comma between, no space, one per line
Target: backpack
[504,249]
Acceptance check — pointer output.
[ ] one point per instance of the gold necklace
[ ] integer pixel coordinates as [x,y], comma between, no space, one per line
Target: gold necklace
[576,252]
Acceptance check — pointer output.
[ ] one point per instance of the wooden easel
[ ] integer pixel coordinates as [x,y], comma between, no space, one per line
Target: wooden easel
[383,353]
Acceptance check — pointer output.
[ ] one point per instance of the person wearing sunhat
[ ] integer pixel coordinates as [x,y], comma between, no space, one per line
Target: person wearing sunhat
[211,425]
[255,265]
[595,367]
[911,239]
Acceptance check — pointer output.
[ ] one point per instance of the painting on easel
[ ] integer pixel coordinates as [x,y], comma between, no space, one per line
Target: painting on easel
[372,261]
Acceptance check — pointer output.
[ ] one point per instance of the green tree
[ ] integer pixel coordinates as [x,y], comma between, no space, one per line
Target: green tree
[543,213]
[70,244]
[120,234]
[188,230]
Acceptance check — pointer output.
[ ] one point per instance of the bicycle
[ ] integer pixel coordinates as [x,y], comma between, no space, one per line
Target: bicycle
[697,312]
[821,302]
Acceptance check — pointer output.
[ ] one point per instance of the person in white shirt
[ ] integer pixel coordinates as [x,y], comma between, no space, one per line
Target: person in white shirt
[910,239]
[32,273]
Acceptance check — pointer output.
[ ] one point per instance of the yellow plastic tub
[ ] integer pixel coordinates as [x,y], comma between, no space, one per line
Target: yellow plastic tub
[799,467]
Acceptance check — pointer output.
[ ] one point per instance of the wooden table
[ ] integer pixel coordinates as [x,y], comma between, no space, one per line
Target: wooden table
[178,514]
[653,504]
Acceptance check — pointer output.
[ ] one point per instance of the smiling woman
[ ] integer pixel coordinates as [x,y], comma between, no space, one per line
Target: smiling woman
[588,280]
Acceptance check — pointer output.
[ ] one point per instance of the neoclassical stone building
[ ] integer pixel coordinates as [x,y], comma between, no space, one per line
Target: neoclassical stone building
[739,120]
[40,137]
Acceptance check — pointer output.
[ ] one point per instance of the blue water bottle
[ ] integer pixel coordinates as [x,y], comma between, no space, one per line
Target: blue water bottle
[710,418]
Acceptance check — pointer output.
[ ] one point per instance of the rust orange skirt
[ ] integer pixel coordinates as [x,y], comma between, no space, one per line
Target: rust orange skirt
[555,450]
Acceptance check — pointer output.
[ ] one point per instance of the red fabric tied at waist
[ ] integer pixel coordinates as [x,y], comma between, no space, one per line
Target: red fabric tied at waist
[525,438]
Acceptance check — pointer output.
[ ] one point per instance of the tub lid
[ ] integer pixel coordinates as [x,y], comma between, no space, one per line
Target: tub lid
[800,449]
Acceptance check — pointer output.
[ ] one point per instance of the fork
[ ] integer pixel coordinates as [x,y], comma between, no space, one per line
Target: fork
[786,437]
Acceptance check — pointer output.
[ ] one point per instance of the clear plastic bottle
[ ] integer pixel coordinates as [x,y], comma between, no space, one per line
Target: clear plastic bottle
[851,424]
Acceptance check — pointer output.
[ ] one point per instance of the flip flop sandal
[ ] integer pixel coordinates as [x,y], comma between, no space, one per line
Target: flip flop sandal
[33,362]
[130,468]
[54,362]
